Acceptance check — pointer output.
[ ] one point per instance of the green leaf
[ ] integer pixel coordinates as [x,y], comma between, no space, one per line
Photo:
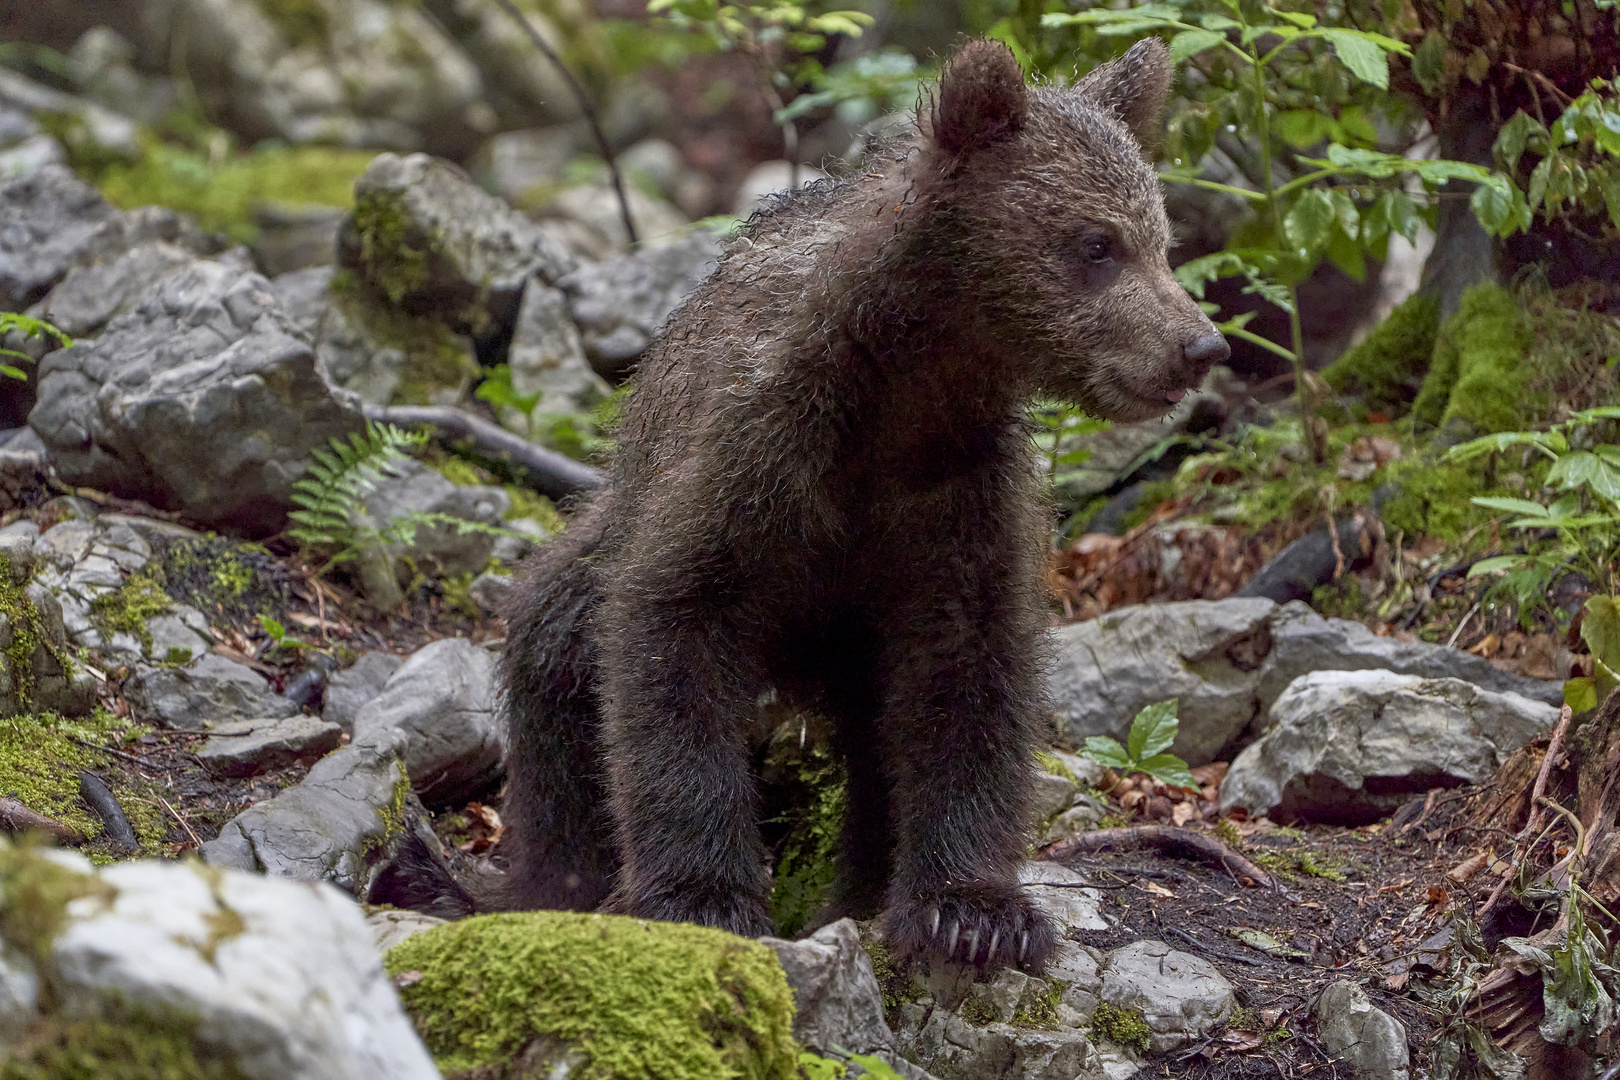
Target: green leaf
[1303,128]
[1521,132]
[1106,751]
[1608,183]
[272,627]
[1403,215]
[1495,564]
[1600,629]
[1310,221]
[1363,56]
[1492,204]
[1218,22]
[1191,42]
[1580,694]
[1581,468]
[1153,730]
[1513,506]
[1298,18]
[1169,769]
[1429,63]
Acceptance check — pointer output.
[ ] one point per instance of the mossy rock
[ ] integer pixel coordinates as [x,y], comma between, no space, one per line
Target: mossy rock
[1385,370]
[640,1000]
[1481,368]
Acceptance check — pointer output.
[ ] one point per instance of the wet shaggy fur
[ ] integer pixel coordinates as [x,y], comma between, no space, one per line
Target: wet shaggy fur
[824,487]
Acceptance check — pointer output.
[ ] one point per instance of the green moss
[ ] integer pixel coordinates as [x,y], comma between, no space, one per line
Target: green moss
[1341,599]
[41,756]
[27,633]
[1125,1027]
[301,22]
[459,471]
[644,1000]
[1038,1008]
[1386,369]
[394,256]
[121,1044]
[1055,766]
[223,193]
[458,596]
[535,507]
[220,577]
[1293,863]
[392,815]
[1154,494]
[814,793]
[1493,348]
[126,608]
[978,1011]
[1432,497]
[37,891]
[436,357]
[895,986]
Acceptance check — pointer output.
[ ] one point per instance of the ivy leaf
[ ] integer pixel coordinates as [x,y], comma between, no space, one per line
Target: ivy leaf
[1363,57]
[1153,730]
[1190,42]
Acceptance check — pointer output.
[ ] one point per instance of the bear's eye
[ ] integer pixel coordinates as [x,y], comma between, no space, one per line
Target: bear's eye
[1098,249]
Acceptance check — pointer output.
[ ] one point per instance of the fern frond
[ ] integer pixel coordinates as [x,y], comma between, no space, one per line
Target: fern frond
[336,482]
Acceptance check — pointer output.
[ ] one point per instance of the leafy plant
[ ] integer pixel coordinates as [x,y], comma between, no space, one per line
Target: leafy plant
[1584,523]
[1282,78]
[780,38]
[497,389]
[1578,174]
[29,327]
[1152,732]
[815,1067]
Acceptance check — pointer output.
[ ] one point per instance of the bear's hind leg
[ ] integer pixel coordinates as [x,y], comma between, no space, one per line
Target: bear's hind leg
[678,686]
[555,807]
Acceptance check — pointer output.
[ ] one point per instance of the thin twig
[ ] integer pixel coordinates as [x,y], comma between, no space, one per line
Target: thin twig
[142,762]
[586,109]
[183,823]
[16,818]
[1555,746]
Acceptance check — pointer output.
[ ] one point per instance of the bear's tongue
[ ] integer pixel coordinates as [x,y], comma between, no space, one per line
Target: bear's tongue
[1176,395]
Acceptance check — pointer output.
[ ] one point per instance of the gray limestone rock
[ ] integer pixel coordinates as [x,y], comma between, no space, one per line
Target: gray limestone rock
[342,823]
[204,398]
[94,127]
[1226,661]
[836,998]
[424,235]
[1351,746]
[622,302]
[953,1048]
[1353,1029]
[548,358]
[438,709]
[351,689]
[390,926]
[250,747]
[489,591]
[1051,795]
[439,549]
[280,978]
[1055,889]
[90,297]
[1180,996]
[210,690]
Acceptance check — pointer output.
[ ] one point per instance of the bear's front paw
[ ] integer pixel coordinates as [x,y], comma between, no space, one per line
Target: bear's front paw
[988,925]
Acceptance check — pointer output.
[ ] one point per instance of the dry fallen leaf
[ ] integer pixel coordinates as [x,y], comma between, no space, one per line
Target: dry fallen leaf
[1468,867]
[1158,890]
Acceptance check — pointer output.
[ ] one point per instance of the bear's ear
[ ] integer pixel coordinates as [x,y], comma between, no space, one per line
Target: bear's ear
[1133,88]
[981,98]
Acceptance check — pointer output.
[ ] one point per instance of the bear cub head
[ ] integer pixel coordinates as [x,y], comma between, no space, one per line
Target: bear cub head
[1057,219]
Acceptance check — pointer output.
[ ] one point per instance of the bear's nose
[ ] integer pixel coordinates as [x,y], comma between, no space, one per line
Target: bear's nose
[1205,351]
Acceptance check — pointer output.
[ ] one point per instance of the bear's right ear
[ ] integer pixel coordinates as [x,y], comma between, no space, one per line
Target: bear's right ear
[981,99]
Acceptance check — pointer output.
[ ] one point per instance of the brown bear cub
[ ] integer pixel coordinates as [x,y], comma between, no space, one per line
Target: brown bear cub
[825,486]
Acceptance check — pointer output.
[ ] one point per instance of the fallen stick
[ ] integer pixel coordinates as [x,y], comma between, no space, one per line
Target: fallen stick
[94,790]
[1555,745]
[548,472]
[17,818]
[1160,837]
